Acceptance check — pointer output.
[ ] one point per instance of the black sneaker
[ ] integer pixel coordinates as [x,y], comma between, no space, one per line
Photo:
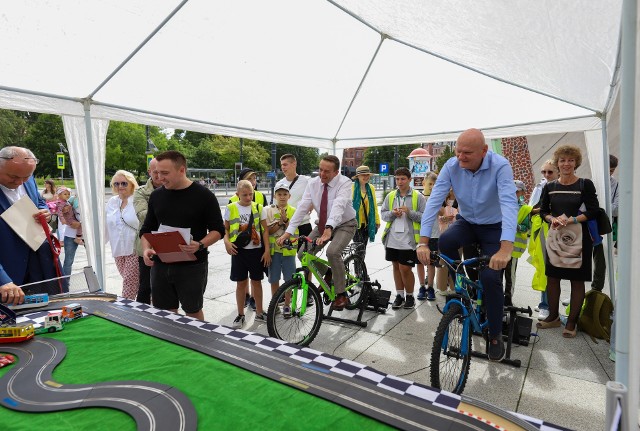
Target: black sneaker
[238,322]
[496,349]
[431,294]
[252,303]
[398,302]
[410,302]
[422,293]
[261,317]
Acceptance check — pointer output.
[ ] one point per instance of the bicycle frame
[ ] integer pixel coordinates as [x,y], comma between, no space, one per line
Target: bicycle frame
[471,309]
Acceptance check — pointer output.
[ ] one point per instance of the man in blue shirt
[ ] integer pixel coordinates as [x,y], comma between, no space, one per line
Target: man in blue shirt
[483,184]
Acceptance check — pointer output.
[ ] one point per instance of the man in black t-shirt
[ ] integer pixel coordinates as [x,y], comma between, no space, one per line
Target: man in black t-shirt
[185,204]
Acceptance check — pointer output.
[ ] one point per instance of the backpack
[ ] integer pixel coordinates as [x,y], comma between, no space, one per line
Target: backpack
[595,318]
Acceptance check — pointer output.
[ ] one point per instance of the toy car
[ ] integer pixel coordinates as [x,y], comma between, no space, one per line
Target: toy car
[6,360]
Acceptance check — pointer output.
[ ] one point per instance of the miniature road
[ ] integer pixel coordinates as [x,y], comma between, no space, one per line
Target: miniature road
[30,388]
[29,384]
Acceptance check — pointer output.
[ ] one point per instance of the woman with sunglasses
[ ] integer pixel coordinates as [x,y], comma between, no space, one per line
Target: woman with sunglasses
[122,229]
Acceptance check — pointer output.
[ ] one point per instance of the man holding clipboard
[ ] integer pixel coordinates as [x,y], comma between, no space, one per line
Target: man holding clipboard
[19,264]
[177,279]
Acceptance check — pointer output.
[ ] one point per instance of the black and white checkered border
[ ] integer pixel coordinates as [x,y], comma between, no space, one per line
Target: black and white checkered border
[310,358]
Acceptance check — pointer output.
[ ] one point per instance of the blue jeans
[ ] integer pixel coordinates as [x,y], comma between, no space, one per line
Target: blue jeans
[461,233]
[544,301]
[70,248]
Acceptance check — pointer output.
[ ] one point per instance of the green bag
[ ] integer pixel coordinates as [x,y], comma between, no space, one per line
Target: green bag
[595,318]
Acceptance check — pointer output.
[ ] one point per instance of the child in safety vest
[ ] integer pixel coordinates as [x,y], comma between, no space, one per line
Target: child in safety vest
[246,239]
[283,260]
[520,243]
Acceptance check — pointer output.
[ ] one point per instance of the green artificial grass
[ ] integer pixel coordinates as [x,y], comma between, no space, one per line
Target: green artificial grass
[226,397]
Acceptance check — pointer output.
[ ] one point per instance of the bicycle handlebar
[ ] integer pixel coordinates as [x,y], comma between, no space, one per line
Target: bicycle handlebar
[482,260]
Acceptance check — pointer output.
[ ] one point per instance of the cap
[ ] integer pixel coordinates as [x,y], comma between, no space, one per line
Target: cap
[362,170]
[281,187]
[244,173]
[62,189]
[520,186]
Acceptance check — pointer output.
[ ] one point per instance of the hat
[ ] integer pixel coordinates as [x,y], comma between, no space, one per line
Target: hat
[62,189]
[244,173]
[362,170]
[282,186]
[520,186]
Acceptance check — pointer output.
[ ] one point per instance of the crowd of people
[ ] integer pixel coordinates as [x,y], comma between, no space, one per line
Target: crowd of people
[473,205]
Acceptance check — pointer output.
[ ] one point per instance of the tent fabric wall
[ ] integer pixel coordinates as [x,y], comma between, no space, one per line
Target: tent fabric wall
[88,170]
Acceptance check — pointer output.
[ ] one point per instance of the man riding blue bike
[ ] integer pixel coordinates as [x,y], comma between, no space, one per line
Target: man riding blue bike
[482,182]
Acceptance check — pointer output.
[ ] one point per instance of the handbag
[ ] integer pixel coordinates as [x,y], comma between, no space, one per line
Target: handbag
[244,238]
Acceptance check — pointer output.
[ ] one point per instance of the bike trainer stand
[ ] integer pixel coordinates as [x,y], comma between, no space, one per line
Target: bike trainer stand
[512,317]
[369,302]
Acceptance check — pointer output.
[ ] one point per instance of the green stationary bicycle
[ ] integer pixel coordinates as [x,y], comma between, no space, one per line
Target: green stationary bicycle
[296,309]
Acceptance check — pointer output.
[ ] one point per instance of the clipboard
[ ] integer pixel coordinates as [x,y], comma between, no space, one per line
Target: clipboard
[166,245]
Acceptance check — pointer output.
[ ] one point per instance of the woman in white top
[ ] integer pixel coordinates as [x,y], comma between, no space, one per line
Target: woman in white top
[121,231]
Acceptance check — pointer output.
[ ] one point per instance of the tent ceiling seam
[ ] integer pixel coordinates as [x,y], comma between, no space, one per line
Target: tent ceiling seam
[209,123]
[138,48]
[364,77]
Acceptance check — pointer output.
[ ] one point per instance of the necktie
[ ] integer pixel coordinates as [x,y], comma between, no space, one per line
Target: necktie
[323,209]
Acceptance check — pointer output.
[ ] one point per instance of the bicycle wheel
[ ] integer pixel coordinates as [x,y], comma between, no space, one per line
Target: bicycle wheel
[356,273]
[298,327]
[449,367]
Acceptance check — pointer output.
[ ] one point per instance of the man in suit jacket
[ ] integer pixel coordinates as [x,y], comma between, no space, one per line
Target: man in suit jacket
[18,263]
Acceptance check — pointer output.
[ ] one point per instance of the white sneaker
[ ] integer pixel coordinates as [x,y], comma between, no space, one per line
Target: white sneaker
[443,292]
[543,314]
[536,309]
[566,301]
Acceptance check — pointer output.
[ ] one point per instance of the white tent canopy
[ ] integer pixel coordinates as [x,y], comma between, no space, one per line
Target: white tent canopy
[336,73]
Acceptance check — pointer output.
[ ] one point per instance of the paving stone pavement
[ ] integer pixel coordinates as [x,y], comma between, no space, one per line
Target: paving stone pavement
[561,380]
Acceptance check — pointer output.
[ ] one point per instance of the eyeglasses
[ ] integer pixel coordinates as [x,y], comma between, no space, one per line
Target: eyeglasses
[24,158]
[122,184]
[546,172]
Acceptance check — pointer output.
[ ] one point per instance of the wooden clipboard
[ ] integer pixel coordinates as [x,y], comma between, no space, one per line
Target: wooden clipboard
[167,247]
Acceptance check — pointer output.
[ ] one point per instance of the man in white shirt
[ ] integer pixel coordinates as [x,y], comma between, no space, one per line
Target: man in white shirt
[296,185]
[330,195]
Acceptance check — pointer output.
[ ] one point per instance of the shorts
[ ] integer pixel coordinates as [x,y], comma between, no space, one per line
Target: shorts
[403,257]
[247,261]
[175,285]
[280,264]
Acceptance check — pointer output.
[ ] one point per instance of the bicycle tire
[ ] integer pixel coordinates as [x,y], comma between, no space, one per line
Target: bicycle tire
[449,369]
[355,267]
[296,329]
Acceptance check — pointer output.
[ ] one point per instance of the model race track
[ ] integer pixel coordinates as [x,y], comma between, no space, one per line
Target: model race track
[391,400]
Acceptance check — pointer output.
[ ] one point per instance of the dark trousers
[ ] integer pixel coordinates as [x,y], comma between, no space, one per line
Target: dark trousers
[509,275]
[461,233]
[144,291]
[599,268]
[362,236]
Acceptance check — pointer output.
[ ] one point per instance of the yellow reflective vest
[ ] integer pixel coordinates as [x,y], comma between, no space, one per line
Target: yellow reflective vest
[272,239]
[520,243]
[414,207]
[539,232]
[234,219]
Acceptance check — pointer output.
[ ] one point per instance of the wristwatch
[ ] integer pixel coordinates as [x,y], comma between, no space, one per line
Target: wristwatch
[328,226]
[202,247]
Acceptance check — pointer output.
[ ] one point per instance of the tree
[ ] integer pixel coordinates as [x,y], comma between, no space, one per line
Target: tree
[126,147]
[43,133]
[442,159]
[373,156]
[306,157]
[13,128]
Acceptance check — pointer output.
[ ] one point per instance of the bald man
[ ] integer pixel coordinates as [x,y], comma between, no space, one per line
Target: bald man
[19,264]
[483,184]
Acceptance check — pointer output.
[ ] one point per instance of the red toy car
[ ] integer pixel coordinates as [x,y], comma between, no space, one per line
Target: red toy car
[6,360]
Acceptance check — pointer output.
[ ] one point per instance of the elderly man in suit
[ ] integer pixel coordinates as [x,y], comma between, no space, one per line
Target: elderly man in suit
[19,264]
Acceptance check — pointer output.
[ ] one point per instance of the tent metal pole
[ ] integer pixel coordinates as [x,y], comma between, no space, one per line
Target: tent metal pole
[628,297]
[607,206]
[96,193]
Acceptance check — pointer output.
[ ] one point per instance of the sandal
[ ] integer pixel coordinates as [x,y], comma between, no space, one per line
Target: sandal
[552,324]
[566,333]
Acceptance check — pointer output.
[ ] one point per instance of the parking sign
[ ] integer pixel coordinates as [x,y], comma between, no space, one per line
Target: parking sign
[384,169]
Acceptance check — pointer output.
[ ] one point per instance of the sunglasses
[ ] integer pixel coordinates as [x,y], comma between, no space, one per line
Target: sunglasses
[122,184]
[546,172]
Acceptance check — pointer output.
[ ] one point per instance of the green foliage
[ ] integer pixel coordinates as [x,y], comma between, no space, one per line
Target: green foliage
[13,128]
[126,146]
[373,156]
[43,133]
[307,158]
[442,159]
